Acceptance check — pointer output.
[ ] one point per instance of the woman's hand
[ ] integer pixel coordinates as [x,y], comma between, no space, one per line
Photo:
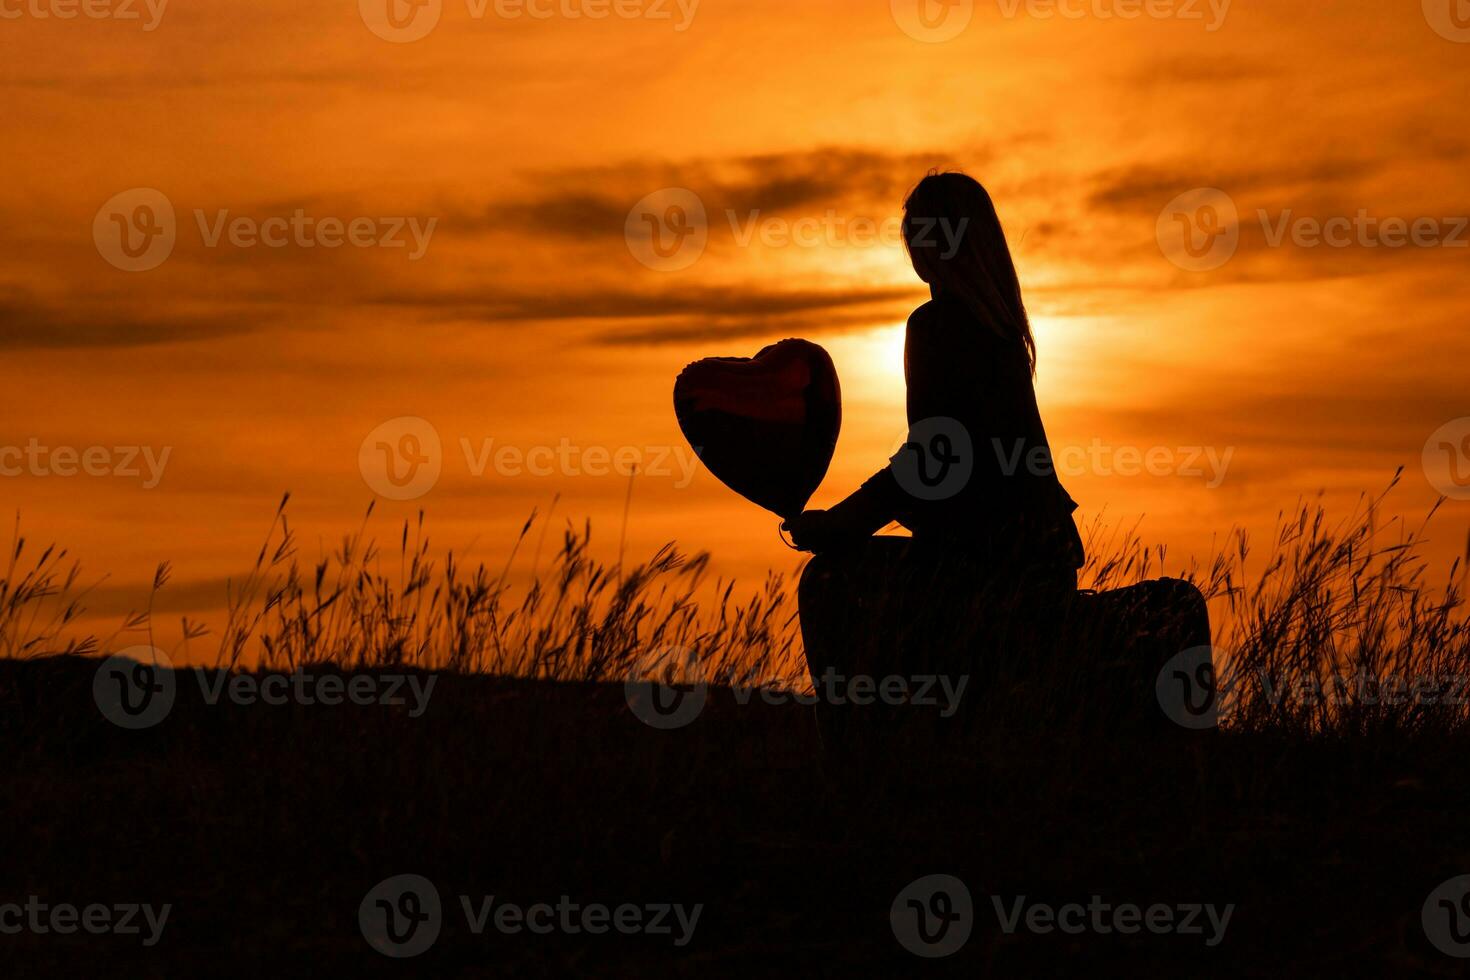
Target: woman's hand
[816,530]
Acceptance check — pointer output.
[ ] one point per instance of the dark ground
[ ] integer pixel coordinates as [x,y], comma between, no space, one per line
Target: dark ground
[266,826]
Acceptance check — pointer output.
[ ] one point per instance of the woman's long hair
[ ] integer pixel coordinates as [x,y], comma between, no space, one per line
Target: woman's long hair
[956,243]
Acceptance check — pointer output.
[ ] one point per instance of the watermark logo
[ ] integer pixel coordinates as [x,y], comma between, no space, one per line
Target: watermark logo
[402,458]
[1449,18]
[667,230]
[1447,459]
[135,689]
[932,21]
[135,231]
[401,916]
[1188,689]
[1199,230]
[401,21]
[933,916]
[937,460]
[1446,917]
[667,689]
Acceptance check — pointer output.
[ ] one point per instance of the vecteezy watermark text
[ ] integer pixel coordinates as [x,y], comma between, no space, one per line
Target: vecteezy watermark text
[936,21]
[937,459]
[124,10]
[1211,13]
[668,230]
[137,688]
[1363,688]
[934,915]
[403,458]
[567,458]
[1199,230]
[668,689]
[126,462]
[64,918]
[405,21]
[307,231]
[919,690]
[1104,918]
[833,229]
[402,916]
[570,918]
[1199,685]
[137,230]
[1100,459]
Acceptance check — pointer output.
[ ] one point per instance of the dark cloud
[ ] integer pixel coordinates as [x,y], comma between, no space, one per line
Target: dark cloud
[688,330]
[612,304]
[27,324]
[558,202]
[1144,190]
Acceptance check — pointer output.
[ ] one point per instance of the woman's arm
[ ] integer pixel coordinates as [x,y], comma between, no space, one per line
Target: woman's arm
[869,509]
[880,500]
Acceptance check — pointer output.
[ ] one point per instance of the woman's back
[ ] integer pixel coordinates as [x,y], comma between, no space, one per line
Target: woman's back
[970,394]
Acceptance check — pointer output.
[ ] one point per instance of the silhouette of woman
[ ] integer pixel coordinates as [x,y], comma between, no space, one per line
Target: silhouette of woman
[974,481]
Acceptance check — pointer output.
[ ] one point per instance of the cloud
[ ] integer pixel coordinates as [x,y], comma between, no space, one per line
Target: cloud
[724,302]
[681,330]
[560,203]
[1145,189]
[26,324]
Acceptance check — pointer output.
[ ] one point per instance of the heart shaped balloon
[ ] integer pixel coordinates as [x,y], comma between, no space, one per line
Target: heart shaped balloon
[765,425]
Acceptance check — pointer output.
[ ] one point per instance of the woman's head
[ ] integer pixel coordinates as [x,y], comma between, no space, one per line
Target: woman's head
[956,243]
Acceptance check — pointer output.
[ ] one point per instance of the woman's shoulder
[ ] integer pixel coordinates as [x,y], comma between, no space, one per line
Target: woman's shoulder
[935,312]
[948,321]
[938,318]
[962,347]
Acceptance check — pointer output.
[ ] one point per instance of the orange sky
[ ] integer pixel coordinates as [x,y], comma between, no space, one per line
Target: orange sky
[518,145]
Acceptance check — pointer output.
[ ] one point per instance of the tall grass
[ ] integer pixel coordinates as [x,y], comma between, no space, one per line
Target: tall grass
[39,602]
[1330,606]
[1343,630]
[1339,629]
[581,619]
